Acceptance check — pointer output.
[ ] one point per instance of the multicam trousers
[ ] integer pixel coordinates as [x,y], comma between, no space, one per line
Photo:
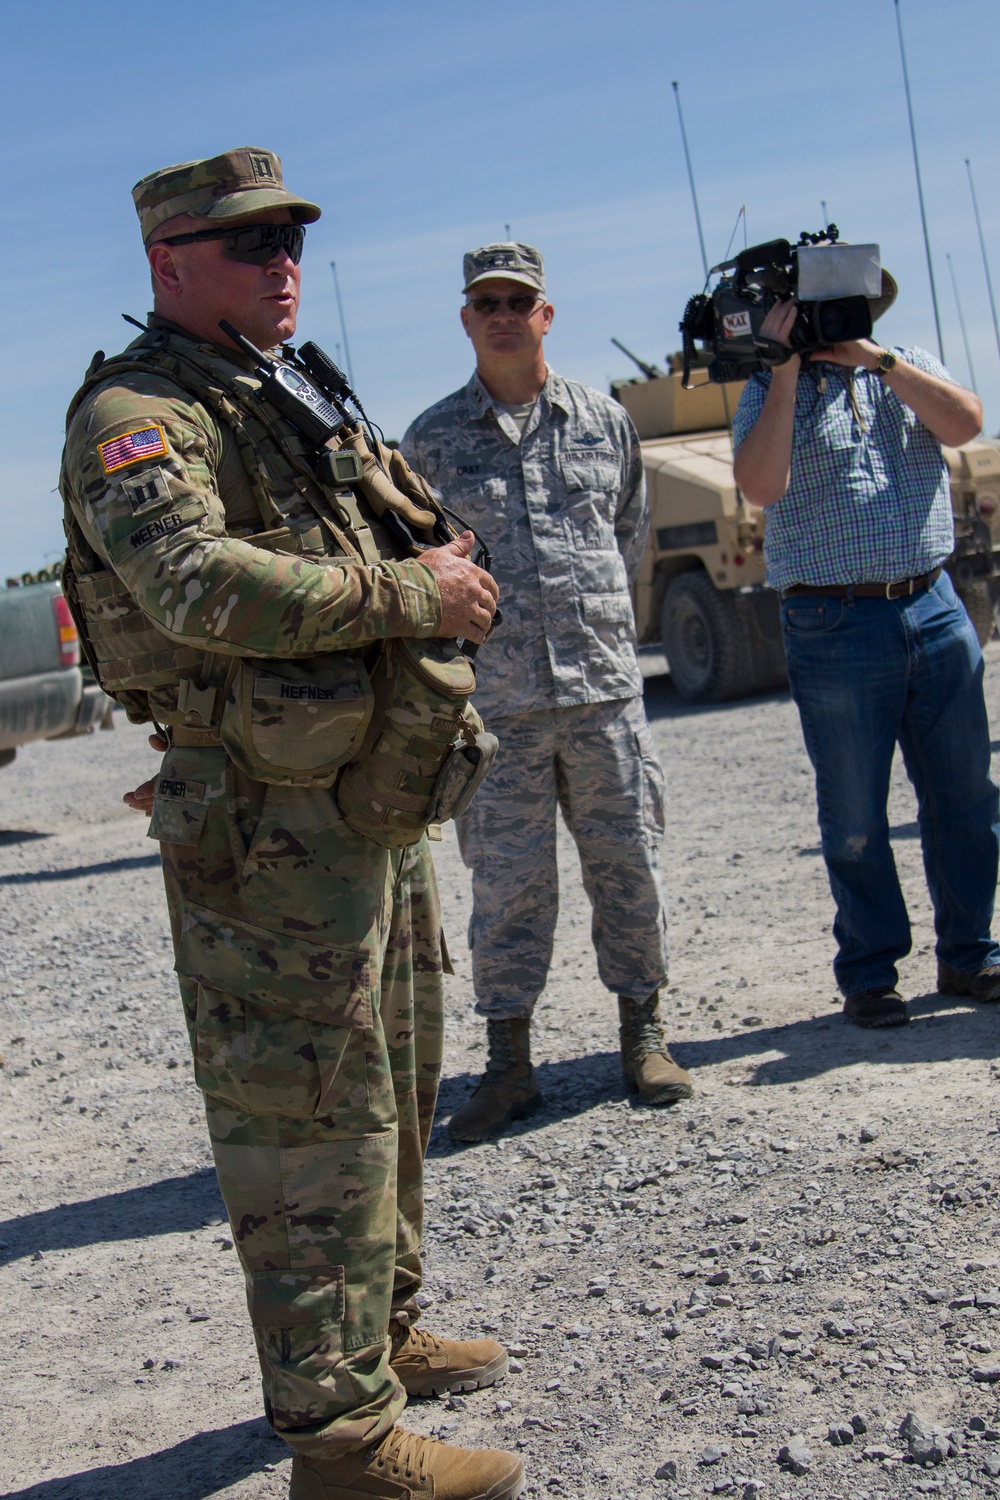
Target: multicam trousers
[598,763]
[310,965]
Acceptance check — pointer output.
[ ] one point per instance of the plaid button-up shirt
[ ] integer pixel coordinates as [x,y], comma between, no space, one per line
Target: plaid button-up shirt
[868,500]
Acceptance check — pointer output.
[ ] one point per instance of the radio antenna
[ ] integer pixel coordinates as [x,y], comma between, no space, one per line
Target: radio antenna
[343,325]
[920,189]
[982,248]
[694,191]
[961,323]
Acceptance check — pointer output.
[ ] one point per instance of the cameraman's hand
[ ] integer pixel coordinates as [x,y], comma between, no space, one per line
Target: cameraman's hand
[857,352]
[777,325]
[468,594]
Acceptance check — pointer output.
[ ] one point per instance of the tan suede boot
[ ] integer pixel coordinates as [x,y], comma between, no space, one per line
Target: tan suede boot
[646,1060]
[507,1090]
[407,1467]
[428,1366]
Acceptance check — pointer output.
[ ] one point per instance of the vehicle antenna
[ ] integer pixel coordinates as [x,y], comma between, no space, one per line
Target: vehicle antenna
[343,325]
[826,216]
[982,247]
[920,189]
[694,191]
[506,230]
[961,324]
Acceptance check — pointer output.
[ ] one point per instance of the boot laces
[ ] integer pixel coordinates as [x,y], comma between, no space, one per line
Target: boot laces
[502,1054]
[643,1027]
[399,1335]
[404,1453]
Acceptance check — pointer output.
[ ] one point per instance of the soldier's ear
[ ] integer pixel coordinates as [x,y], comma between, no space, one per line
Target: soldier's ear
[463,312]
[163,269]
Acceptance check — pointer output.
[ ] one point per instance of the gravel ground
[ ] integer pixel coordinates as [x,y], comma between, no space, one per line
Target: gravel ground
[792,1265]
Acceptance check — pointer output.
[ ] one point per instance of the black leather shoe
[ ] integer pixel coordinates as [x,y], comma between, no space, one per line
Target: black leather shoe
[981,984]
[872,1008]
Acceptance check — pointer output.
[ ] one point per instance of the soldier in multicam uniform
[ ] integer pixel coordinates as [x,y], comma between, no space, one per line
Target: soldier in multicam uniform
[550,475]
[309,955]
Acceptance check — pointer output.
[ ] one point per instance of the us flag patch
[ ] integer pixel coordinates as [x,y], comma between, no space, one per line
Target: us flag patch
[144,444]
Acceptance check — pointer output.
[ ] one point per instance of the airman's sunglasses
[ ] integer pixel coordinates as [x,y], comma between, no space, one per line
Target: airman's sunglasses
[253,244]
[520,303]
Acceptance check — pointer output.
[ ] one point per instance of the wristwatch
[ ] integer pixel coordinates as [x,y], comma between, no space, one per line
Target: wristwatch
[885,362]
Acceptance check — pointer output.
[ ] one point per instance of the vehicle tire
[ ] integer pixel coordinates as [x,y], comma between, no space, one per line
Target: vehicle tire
[704,641]
[979,607]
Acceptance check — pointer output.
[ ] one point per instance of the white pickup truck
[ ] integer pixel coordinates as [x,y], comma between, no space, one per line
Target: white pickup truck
[43,694]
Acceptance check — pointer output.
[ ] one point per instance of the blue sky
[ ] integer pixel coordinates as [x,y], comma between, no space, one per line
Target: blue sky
[424,129]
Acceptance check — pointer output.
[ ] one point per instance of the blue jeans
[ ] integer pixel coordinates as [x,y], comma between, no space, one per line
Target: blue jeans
[866,673]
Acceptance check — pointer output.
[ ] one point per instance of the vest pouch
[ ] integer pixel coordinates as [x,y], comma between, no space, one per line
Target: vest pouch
[132,660]
[422,718]
[461,776]
[296,723]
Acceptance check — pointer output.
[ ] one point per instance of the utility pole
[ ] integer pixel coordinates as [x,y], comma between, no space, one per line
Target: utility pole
[982,248]
[694,193]
[343,325]
[920,188]
[961,324]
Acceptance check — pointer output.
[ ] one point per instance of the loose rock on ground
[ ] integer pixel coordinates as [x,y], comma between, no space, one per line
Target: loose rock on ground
[802,1259]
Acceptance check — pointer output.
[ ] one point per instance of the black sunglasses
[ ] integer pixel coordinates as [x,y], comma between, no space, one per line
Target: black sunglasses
[253,244]
[520,303]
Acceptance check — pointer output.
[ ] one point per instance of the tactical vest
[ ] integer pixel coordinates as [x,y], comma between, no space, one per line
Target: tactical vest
[395,718]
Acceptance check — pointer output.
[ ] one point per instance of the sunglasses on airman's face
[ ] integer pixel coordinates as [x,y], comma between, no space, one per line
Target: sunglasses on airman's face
[520,303]
[253,244]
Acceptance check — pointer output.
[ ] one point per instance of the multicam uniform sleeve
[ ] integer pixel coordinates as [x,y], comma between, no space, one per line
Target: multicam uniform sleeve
[632,510]
[139,471]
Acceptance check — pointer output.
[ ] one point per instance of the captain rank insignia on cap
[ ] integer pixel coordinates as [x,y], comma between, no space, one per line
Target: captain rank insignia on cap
[132,447]
[261,167]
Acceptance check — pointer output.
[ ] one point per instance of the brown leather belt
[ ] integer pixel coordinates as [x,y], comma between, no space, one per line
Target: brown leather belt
[190,738]
[900,589]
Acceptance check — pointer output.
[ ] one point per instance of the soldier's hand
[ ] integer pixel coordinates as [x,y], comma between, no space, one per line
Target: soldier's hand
[141,800]
[468,594]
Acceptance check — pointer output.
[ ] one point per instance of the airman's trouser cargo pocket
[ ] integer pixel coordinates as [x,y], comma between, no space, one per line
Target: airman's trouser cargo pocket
[423,724]
[280,1025]
[294,724]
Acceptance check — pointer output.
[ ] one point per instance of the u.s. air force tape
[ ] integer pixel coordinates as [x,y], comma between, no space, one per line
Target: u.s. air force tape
[180,791]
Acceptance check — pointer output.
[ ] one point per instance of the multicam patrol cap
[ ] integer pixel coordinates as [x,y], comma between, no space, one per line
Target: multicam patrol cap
[233,186]
[511,261]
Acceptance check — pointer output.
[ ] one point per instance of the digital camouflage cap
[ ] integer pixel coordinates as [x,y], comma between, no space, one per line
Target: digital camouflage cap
[511,261]
[233,186]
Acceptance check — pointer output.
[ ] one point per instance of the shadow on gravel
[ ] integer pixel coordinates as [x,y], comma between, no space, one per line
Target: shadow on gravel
[163,1207]
[943,1029]
[199,1466]
[21,835]
[663,701]
[570,1087]
[77,872]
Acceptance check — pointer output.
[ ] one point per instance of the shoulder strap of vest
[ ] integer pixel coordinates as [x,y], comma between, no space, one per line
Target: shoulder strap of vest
[215,381]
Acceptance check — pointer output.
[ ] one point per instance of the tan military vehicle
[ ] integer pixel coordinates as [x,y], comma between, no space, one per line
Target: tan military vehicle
[700,588]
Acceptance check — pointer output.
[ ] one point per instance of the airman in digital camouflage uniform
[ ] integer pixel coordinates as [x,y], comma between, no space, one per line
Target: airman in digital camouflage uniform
[550,475]
[201,543]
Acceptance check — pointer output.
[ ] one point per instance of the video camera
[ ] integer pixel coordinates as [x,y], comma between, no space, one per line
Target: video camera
[832,284]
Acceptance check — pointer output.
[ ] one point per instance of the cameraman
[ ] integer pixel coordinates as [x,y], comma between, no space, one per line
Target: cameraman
[844,450]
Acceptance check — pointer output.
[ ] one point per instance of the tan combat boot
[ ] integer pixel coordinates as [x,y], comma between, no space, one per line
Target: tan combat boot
[407,1467]
[646,1061]
[428,1366]
[507,1090]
